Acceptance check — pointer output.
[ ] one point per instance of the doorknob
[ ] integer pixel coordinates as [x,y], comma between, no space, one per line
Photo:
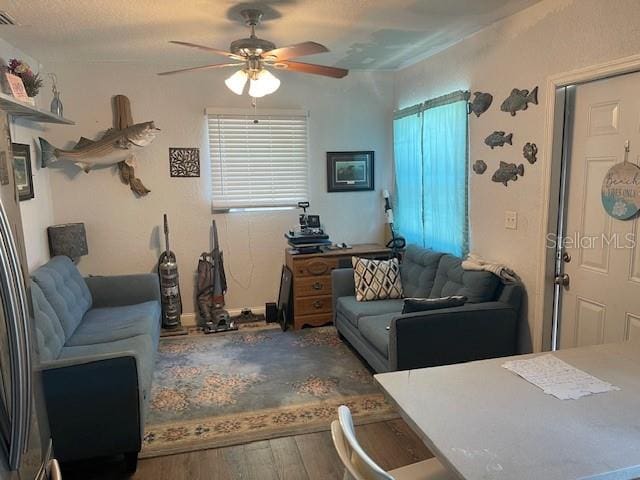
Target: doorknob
[562,280]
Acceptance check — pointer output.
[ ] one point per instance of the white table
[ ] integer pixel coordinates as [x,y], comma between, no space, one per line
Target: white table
[484,422]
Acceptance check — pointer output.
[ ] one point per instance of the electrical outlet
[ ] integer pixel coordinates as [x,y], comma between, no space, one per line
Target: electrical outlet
[510,220]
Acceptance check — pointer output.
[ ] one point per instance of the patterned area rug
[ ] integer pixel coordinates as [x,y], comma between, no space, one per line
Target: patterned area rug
[249,385]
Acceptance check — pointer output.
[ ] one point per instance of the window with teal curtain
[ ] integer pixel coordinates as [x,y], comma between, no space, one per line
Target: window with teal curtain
[407,150]
[431,175]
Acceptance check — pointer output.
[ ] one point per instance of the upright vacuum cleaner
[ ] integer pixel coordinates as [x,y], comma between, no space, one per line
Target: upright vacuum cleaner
[397,242]
[170,287]
[212,285]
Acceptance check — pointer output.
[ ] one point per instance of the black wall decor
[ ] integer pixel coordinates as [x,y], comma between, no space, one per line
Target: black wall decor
[184,162]
[22,169]
[350,171]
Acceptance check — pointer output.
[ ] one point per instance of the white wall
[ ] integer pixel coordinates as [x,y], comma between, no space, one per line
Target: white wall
[37,213]
[521,51]
[124,232]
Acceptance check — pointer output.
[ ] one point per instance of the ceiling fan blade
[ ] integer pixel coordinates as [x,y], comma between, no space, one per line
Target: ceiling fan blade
[294,51]
[203,67]
[208,49]
[312,68]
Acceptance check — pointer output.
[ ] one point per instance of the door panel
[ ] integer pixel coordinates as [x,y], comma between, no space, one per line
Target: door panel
[603,118]
[632,328]
[602,301]
[594,219]
[590,317]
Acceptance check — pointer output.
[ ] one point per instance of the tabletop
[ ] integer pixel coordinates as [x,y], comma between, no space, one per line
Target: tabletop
[485,422]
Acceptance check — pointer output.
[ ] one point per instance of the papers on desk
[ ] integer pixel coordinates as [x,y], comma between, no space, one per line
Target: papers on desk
[558,378]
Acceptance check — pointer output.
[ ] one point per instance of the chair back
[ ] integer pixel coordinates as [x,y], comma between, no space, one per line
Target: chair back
[355,459]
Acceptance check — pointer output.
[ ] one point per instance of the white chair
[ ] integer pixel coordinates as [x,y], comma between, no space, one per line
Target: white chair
[359,465]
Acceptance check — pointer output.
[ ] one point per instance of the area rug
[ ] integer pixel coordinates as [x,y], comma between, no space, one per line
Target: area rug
[250,385]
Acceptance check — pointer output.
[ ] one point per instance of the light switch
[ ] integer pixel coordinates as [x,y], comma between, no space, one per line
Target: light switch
[510,220]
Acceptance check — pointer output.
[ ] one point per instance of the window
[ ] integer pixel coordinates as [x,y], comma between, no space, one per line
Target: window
[257,160]
[431,158]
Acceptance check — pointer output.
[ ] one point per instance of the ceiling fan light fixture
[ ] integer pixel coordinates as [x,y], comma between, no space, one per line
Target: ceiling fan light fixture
[264,83]
[237,81]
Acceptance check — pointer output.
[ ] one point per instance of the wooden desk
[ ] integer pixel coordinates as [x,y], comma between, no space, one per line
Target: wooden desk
[312,301]
[484,422]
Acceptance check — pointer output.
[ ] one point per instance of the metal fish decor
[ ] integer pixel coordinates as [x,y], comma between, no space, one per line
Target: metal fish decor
[519,100]
[481,103]
[507,172]
[498,139]
[530,152]
[479,166]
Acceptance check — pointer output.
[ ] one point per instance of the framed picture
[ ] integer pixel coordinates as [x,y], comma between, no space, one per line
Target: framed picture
[349,171]
[184,162]
[22,170]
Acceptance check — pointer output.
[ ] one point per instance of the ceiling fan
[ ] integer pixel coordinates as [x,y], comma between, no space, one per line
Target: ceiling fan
[254,55]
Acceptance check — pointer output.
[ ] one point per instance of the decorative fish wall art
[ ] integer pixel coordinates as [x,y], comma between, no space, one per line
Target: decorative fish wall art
[115,146]
[519,100]
[479,166]
[507,172]
[498,139]
[530,152]
[481,103]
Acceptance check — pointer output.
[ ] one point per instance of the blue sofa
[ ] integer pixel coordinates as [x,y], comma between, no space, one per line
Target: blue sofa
[484,327]
[97,339]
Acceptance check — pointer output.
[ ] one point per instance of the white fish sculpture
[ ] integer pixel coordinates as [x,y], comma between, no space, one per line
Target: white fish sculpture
[114,147]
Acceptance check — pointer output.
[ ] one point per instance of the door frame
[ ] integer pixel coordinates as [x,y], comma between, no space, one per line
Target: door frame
[543,327]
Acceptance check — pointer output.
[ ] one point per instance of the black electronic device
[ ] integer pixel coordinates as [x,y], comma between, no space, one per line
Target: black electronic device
[309,236]
[271,312]
[313,221]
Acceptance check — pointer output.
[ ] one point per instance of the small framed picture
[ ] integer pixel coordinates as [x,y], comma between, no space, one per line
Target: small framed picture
[16,87]
[22,170]
[350,171]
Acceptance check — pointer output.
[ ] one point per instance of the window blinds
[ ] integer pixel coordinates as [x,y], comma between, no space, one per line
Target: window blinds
[257,160]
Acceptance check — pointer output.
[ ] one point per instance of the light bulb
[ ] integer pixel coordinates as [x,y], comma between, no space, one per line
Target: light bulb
[265,83]
[237,81]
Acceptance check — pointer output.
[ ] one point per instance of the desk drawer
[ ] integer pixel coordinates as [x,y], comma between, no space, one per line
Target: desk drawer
[313,320]
[312,286]
[313,305]
[313,267]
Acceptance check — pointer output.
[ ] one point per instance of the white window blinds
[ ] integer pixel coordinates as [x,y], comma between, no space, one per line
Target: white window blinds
[257,160]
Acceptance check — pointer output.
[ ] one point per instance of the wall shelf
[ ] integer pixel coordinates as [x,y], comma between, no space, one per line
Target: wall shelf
[17,108]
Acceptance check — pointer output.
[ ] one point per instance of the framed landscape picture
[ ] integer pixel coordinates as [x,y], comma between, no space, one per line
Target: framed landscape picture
[350,171]
[22,169]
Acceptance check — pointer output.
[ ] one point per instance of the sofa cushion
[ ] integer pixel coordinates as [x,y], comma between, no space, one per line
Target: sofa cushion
[353,310]
[374,330]
[108,324]
[412,305]
[418,271]
[49,332]
[451,279]
[376,279]
[142,346]
[66,291]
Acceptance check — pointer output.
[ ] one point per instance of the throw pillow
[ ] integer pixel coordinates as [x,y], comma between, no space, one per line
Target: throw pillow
[376,279]
[412,305]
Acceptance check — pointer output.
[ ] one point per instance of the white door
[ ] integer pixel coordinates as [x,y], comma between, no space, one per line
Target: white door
[601,303]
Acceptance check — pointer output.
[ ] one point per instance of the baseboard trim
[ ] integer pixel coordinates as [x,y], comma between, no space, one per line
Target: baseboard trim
[190,319]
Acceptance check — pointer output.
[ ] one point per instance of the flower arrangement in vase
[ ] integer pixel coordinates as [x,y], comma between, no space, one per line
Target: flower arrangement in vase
[32,81]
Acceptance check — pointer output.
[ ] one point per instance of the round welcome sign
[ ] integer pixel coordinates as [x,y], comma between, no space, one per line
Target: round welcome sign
[621,190]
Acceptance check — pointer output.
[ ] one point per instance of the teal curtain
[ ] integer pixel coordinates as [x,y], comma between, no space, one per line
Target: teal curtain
[444,157]
[407,151]
[431,158]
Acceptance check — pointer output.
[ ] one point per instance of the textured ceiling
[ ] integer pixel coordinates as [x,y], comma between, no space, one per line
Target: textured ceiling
[361,34]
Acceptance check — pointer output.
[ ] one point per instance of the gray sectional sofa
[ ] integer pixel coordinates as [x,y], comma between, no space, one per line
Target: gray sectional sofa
[97,339]
[484,327]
